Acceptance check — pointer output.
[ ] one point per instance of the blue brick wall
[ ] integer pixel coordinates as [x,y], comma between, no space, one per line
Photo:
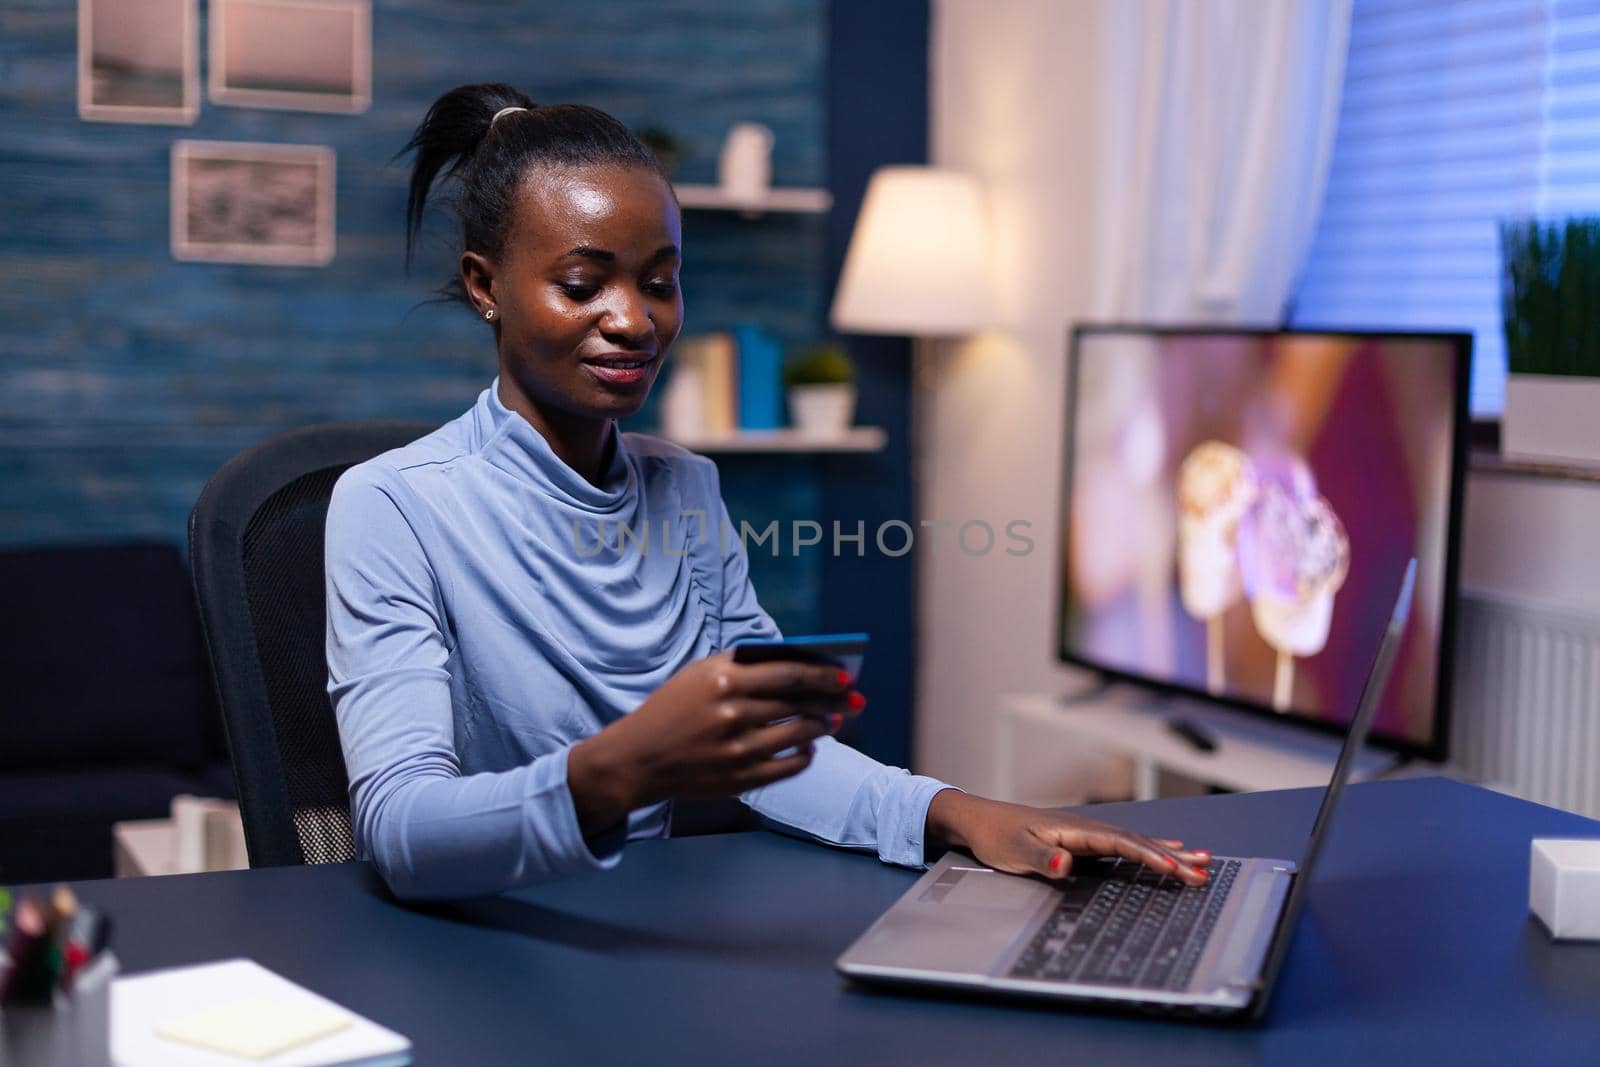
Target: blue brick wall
[127,378]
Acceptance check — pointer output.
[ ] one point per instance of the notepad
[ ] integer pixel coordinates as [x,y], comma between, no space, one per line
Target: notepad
[236,1012]
[256,1026]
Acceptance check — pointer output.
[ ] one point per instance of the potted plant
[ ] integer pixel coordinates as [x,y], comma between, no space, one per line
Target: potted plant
[1551,304]
[669,149]
[820,386]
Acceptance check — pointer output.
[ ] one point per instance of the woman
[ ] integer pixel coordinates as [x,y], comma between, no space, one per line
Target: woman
[514,704]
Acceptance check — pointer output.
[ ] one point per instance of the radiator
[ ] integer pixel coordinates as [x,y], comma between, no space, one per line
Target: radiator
[1527,701]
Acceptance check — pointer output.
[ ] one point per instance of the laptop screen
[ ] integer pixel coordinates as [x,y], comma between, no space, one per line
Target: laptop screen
[1377,678]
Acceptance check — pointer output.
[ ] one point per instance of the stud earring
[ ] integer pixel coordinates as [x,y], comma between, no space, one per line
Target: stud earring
[489,315]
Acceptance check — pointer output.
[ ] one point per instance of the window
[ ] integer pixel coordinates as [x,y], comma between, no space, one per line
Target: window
[1454,116]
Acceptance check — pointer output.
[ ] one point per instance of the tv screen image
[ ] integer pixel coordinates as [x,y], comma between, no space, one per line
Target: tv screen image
[1240,507]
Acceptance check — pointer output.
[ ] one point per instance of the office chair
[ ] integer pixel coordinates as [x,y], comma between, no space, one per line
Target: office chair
[255,553]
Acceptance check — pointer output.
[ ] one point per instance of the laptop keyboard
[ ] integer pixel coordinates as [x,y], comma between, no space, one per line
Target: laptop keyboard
[1127,925]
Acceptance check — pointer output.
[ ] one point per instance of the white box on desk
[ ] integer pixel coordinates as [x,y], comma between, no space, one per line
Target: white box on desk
[1564,886]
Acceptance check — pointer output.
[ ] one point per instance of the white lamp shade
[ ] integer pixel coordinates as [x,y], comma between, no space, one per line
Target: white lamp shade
[918,258]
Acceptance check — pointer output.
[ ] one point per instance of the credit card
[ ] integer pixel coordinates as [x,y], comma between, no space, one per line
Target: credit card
[845,651]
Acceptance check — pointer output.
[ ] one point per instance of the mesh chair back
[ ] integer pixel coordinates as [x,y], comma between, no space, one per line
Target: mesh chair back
[256,554]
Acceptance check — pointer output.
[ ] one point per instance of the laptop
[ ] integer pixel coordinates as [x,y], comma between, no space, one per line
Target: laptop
[1115,933]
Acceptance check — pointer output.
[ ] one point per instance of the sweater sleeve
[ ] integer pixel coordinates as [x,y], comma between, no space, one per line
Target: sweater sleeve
[844,797]
[431,831]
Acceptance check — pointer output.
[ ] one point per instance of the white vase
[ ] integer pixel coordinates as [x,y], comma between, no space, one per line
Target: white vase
[1551,417]
[822,410]
[744,169]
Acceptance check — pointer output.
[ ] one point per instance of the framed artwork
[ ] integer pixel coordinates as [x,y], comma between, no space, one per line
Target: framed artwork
[301,55]
[253,203]
[139,61]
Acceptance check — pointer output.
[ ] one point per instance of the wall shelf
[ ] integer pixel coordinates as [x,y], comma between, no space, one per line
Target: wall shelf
[792,199]
[856,439]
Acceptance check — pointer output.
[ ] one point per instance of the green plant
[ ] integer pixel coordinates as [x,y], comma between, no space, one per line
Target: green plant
[668,148]
[821,364]
[1550,296]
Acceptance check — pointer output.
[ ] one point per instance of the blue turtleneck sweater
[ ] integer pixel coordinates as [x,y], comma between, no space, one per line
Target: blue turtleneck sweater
[477,629]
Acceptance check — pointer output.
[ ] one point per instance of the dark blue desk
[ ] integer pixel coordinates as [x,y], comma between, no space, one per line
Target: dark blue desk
[1416,948]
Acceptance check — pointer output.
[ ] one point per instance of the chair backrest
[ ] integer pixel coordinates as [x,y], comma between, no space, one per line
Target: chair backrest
[255,553]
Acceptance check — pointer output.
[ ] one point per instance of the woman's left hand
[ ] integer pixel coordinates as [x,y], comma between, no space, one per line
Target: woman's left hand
[1023,840]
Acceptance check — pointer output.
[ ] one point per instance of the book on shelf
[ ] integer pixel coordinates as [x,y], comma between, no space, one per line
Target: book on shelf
[722,382]
[702,392]
[760,378]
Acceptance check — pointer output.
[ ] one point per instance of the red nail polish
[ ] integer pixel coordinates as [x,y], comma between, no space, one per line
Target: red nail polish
[857,701]
[1055,862]
[836,720]
[844,677]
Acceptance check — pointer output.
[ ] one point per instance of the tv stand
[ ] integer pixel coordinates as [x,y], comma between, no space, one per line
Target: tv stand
[1249,754]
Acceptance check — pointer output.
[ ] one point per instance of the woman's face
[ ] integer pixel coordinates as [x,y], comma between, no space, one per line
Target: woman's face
[585,290]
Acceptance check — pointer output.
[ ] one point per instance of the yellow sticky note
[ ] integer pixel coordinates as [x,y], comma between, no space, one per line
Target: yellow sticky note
[255,1027]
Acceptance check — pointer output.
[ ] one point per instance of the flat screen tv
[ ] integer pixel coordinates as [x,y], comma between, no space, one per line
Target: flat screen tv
[1239,507]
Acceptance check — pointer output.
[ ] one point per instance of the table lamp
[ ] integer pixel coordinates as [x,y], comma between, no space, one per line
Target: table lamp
[918,265]
[918,262]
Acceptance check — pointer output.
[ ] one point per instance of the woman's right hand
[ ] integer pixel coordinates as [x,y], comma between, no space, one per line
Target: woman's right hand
[711,730]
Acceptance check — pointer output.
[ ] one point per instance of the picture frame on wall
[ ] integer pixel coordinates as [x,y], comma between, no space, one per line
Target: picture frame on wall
[299,55]
[253,203]
[139,61]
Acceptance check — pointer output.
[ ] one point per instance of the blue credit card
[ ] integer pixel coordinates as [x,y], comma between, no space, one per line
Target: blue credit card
[845,651]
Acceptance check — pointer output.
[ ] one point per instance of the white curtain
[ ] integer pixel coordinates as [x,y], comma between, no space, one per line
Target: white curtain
[1144,159]
[1216,126]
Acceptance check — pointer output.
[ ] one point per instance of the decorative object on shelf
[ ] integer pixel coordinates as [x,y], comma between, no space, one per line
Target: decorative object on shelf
[139,61]
[666,145]
[918,257]
[1551,306]
[744,169]
[821,389]
[252,203]
[760,378]
[298,55]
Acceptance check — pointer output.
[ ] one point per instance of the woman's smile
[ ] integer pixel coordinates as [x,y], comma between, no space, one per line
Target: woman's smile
[622,369]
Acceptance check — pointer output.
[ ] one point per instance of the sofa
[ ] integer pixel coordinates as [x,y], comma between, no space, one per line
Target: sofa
[108,709]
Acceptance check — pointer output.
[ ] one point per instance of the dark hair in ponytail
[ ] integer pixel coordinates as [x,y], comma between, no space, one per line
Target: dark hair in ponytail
[460,136]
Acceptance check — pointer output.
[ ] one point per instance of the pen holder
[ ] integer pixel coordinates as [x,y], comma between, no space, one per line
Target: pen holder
[75,1030]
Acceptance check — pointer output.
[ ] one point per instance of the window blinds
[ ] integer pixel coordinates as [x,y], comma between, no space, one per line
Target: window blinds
[1454,116]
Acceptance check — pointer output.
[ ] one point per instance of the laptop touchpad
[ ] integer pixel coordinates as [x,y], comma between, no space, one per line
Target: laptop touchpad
[989,890]
[926,932]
